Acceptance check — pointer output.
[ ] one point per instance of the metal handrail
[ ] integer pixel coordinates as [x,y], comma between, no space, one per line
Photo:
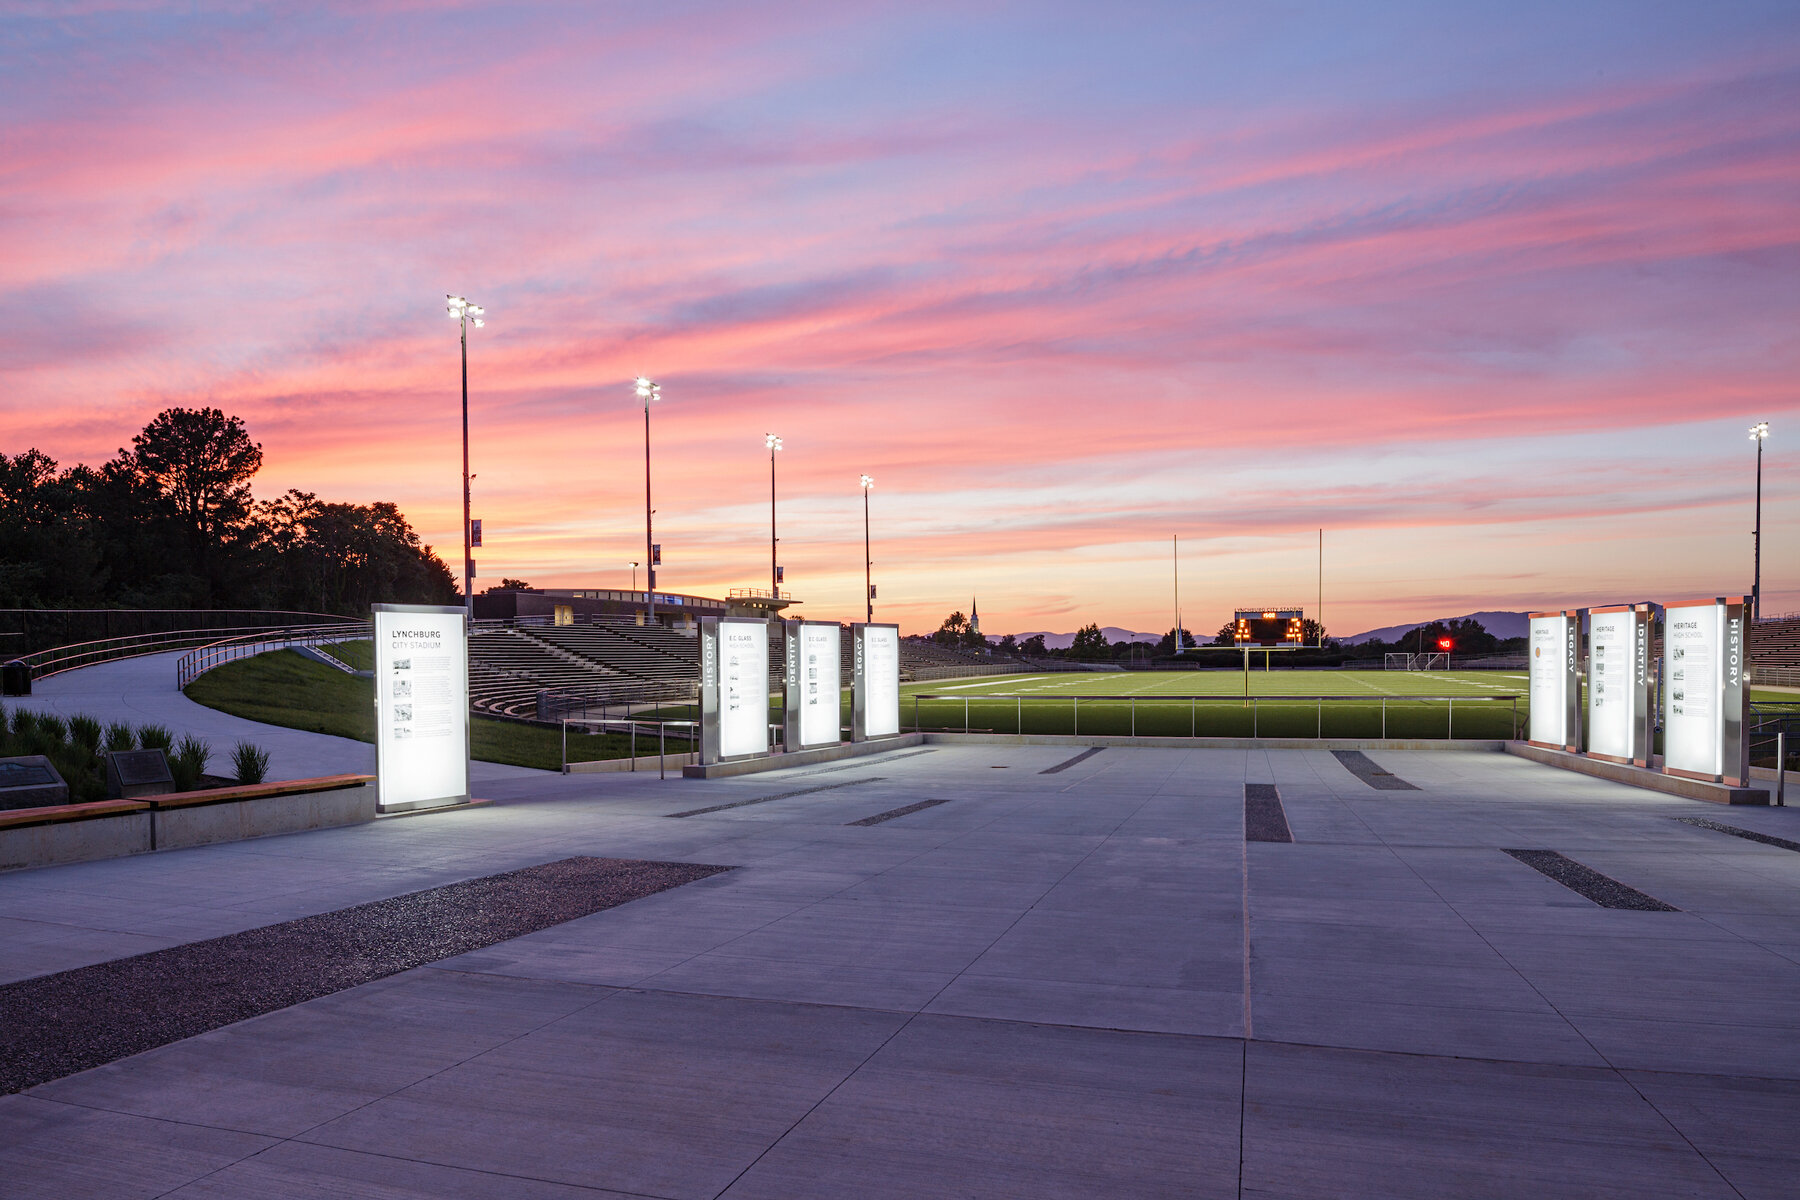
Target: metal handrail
[1254,702]
[198,662]
[57,659]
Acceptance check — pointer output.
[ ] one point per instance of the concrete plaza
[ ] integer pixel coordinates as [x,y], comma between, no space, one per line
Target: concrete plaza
[1081,983]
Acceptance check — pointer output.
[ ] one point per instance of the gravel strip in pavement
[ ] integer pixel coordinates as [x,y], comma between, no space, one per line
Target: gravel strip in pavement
[1584,881]
[1371,773]
[56,1025]
[1067,763]
[823,787]
[1264,818]
[891,813]
[1767,839]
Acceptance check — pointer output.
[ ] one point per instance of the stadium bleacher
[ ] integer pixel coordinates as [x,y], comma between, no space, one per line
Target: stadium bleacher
[1775,642]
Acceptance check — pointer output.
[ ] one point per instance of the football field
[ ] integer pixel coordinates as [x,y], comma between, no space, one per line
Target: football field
[1362,704]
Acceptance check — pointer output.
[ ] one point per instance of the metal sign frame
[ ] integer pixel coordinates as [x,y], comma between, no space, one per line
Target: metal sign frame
[392,649]
[1568,650]
[714,671]
[1636,690]
[1725,683]
[861,686]
[793,708]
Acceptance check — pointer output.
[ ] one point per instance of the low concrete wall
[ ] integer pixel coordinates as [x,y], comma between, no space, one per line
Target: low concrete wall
[113,835]
[263,816]
[1643,777]
[1486,745]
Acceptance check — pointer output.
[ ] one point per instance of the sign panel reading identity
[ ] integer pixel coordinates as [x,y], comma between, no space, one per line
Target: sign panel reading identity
[421,706]
[875,680]
[1618,690]
[1555,684]
[1703,690]
[815,684]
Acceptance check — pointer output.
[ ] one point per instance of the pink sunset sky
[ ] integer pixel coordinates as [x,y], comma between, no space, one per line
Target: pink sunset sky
[1490,292]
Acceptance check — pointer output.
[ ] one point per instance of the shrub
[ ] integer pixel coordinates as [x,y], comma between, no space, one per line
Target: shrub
[119,736]
[84,731]
[249,763]
[155,737]
[52,727]
[23,721]
[188,763]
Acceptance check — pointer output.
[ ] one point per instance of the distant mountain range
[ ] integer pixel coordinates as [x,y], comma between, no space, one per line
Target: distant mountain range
[1062,641]
[1502,625]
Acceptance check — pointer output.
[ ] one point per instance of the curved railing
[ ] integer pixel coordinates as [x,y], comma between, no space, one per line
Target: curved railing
[85,654]
[198,662]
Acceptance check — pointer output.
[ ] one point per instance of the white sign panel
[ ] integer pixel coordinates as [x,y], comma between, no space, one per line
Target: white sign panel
[1703,690]
[820,684]
[1615,685]
[421,706]
[743,688]
[1549,672]
[877,682]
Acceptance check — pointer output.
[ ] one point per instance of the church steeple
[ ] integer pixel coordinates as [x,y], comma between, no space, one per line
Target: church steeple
[974,617]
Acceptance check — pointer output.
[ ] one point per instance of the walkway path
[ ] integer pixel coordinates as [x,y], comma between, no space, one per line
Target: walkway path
[142,691]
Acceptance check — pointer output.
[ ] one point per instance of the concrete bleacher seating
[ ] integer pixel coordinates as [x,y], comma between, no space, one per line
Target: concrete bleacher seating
[1775,643]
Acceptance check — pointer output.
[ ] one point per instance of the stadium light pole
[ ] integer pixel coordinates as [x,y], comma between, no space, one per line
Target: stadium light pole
[1759,433]
[649,391]
[462,312]
[634,568]
[868,484]
[774,444]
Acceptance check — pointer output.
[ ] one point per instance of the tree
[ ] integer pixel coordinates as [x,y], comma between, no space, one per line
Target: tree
[1312,633]
[512,585]
[1227,635]
[1090,644]
[202,460]
[1033,646]
[1167,644]
[951,632]
[1466,635]
[1008,644]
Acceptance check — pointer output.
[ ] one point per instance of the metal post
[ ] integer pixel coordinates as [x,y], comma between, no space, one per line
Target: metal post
[965,714]
[1134,716]
[468,581]
[1320,731]
[649,547]
[774,570]
[662,729]
[1193,716]
[915,712]
[1077,700]
[634,745]
[565,740]
[868,562]
[1450,730]
[1756,580]
[1255,711]
[1384,718]
[1019,715]
[1781,768]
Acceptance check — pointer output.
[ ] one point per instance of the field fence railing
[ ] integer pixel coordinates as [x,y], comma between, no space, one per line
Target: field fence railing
[1418,717]
[199,661]
[1774,676]
[57,659]
[686,735]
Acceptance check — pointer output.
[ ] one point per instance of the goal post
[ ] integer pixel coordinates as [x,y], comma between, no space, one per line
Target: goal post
[1435,661]
[1397,661]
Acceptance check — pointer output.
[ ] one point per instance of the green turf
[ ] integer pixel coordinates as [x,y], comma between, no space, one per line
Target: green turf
[358,655]
[283,688]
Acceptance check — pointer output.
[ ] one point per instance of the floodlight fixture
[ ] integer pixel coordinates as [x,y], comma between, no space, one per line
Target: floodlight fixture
[771,441]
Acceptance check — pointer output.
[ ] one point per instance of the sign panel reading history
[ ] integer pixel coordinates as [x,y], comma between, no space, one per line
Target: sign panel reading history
[875,696]
[819,684]
[1703,690]
[1618,692]
[421,706]
[743,688]
[1554,684]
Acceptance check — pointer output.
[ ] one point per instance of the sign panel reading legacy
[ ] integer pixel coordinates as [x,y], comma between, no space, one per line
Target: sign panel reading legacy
[1550,672]
[1618,693]
[421,706]
[820,686]
[876,692]
[743,688]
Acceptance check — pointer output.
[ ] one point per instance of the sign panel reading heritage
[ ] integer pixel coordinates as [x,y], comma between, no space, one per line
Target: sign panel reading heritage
[875,681]
[734,688]
[1618,690]
[1555,682]
[814,684]
[1703,690]
[421,706]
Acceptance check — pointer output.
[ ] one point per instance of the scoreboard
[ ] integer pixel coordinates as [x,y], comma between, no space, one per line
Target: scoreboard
[1269,626]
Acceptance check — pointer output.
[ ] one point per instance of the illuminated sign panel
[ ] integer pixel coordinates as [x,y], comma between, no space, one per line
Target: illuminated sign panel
[421,706]
[1618,690]
[814,684]
[734,688]
[1555,684]
[1268,626]
[1703,690]
[875,681]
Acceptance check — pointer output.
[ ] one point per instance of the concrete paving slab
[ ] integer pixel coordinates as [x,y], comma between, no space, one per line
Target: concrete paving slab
[298,1171]
[53,1151]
